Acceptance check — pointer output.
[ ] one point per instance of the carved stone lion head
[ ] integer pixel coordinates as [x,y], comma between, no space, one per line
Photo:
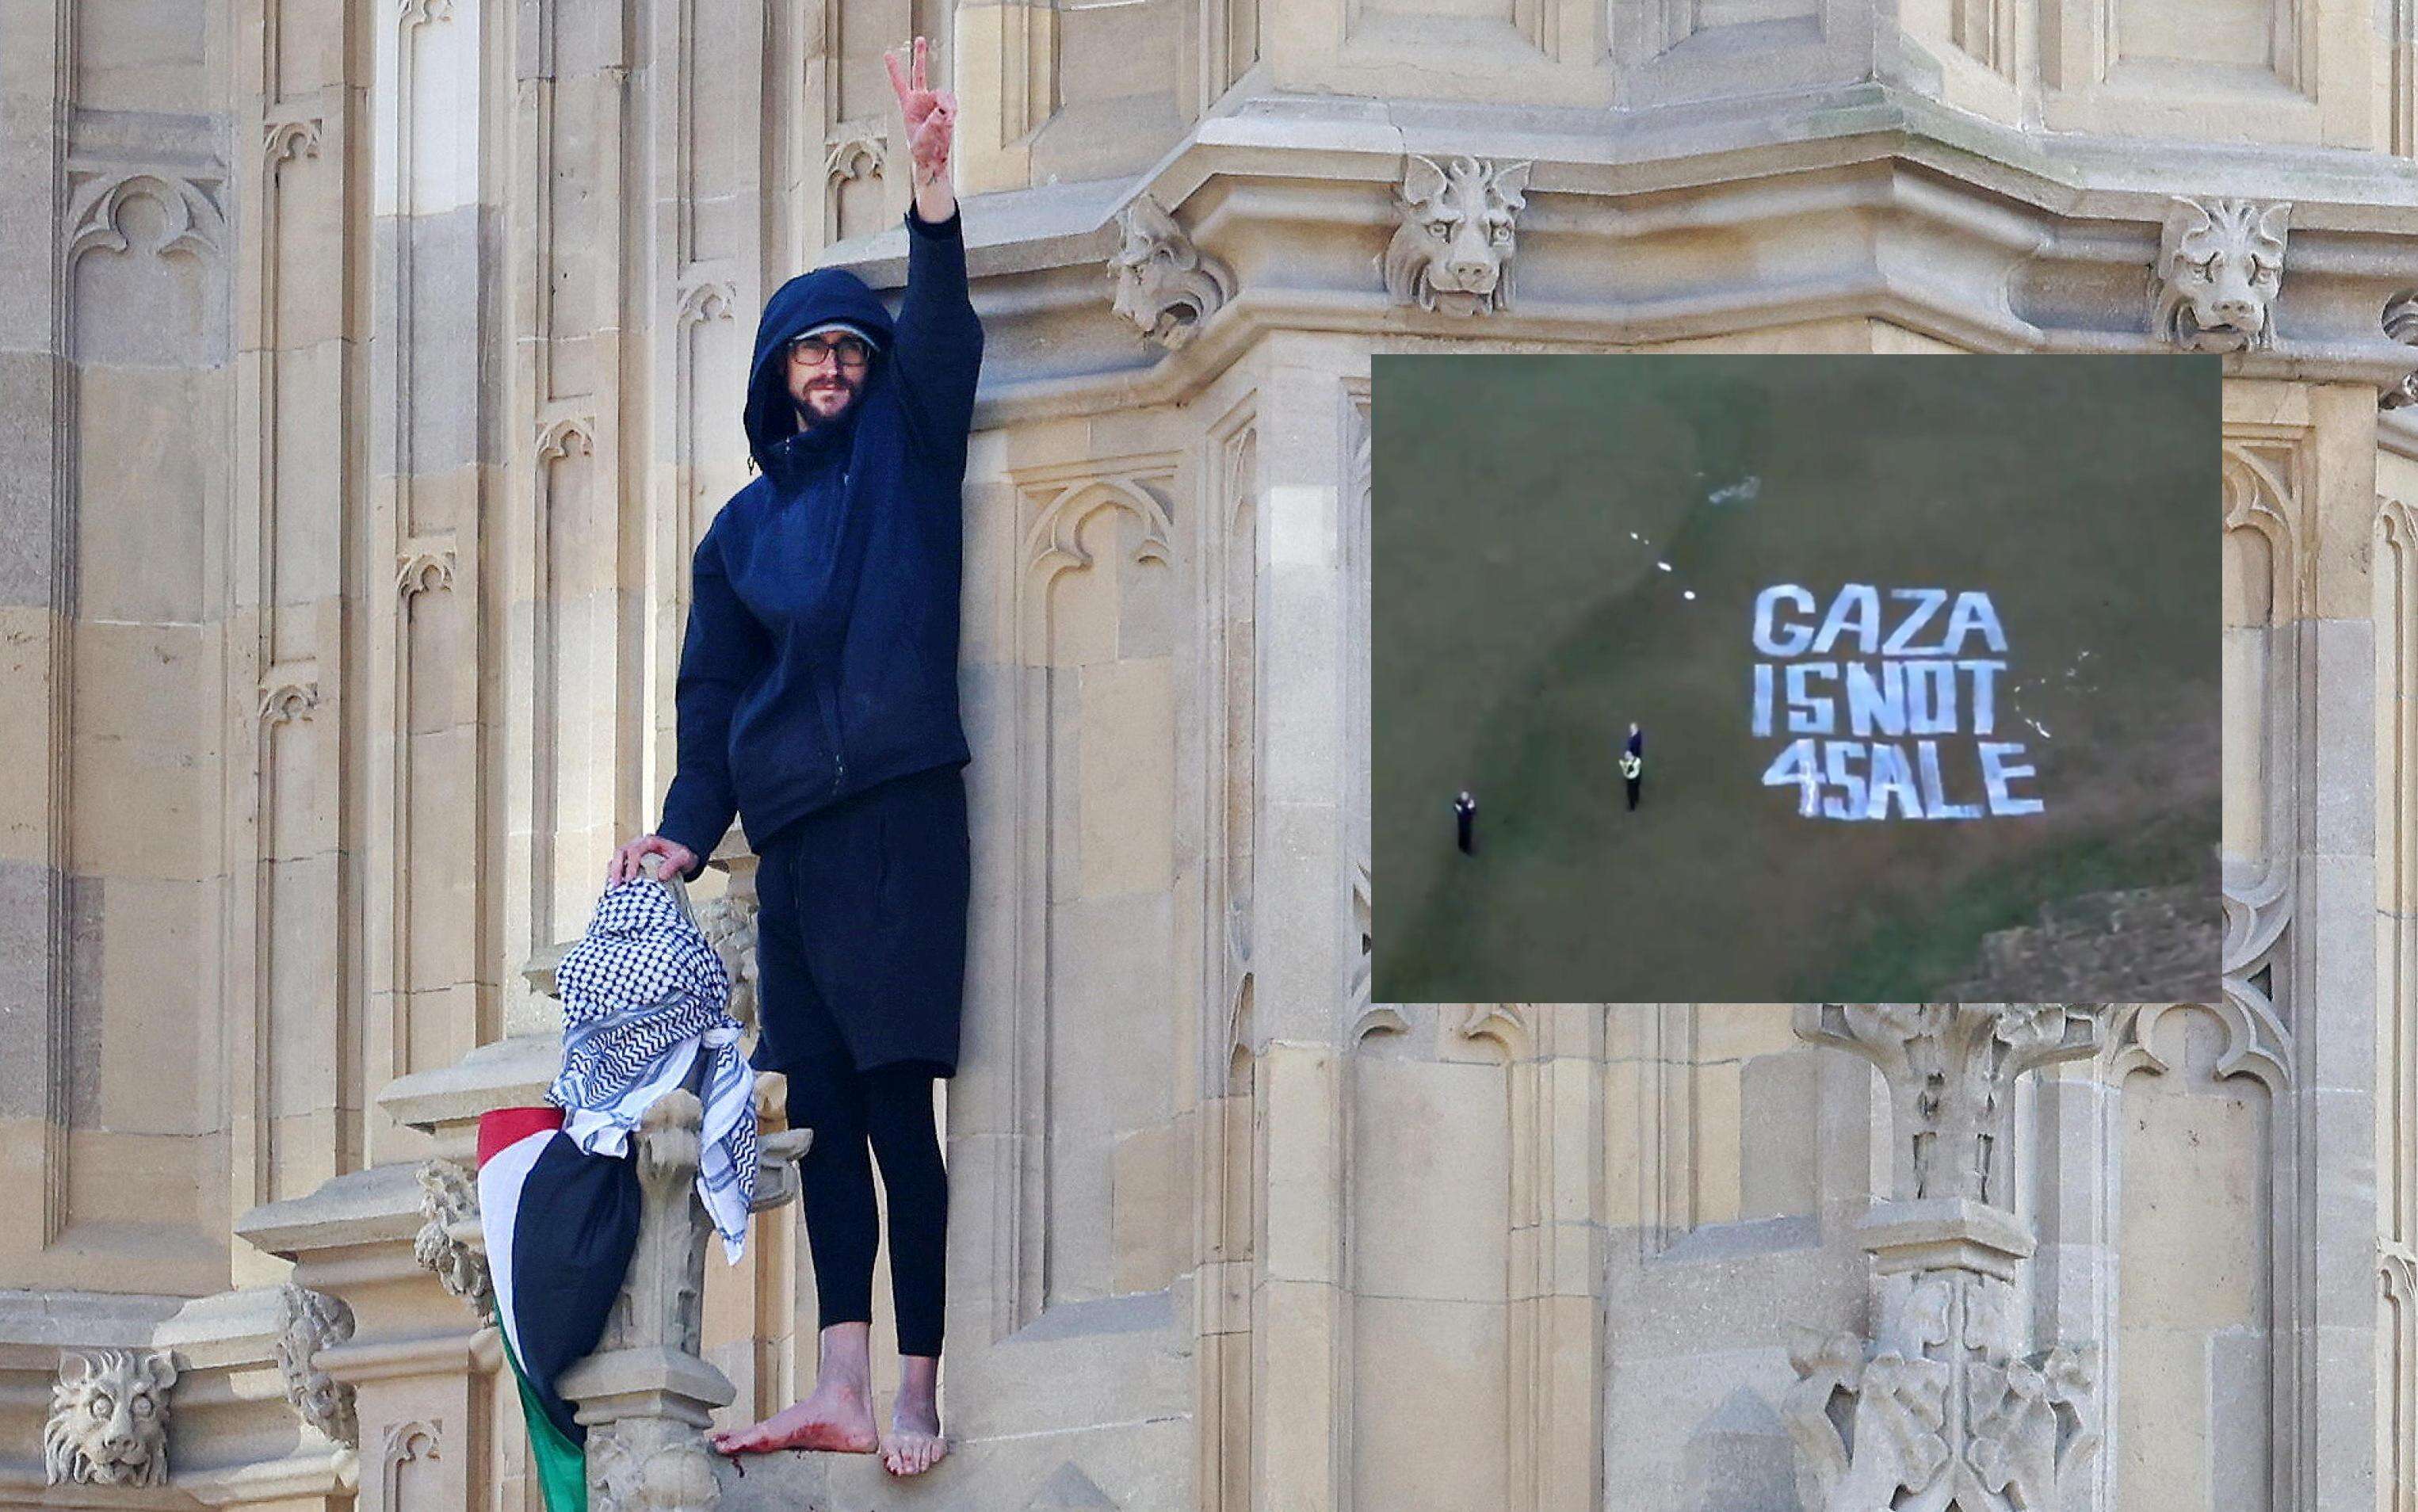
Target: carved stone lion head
[1164,284]
[109,1419]
[2220,262]
[1453,249]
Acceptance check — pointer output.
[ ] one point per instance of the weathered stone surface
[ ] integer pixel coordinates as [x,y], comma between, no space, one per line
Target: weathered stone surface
[1948,1402]
[364,389]
[315,1321]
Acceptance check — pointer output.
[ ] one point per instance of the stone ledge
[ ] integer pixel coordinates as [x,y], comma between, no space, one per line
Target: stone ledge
[363,1207]
[17,1490]
[507,1073]
[1855,203]
[226,1328]
[1143,1463]
[1928,1232]
[228,1398]
[1350,140]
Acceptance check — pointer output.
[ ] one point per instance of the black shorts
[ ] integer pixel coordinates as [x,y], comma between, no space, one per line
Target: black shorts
[860,928]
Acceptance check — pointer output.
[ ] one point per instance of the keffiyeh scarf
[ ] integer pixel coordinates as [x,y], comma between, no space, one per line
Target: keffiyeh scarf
[644,996]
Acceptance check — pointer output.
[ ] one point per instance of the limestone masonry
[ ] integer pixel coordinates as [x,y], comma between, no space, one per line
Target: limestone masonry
[368,373]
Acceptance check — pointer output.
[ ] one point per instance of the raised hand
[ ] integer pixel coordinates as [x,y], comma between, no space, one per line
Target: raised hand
[932,115]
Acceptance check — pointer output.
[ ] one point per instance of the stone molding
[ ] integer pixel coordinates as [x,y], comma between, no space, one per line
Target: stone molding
[193,222]
[2257,918]
[426,567]
[2263,477]
[1056,498]
[1950,1069]
[288,698]
[403,1443]
[711,300]
[1862,201]
[856,150]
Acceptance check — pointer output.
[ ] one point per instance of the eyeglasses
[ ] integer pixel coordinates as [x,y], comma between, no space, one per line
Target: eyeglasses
[810,352]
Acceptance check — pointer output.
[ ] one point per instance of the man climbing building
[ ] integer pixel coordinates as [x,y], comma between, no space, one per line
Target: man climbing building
[817,700]
[1633,762]
[1464,810]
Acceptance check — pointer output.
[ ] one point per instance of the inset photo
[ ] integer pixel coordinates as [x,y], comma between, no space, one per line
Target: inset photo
[1747,678]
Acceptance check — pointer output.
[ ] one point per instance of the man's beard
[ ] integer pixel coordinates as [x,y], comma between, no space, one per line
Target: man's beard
[809,417]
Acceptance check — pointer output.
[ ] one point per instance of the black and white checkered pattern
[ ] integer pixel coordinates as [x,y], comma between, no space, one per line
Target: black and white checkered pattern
[643,994]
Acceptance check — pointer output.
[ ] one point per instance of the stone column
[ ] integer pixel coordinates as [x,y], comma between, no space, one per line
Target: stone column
[302,187]
[425,560]
[2310,915]
[647,1393]
[424,1370]
[1300,956]
[1948,1400]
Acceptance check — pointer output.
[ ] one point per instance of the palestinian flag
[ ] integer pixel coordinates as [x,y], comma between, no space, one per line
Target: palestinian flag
[561,1224]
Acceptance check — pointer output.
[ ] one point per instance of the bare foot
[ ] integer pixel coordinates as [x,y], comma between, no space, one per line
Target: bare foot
[835,1418]
[914,1444]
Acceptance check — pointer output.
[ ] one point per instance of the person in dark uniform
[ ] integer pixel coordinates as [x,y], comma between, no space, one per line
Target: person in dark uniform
[1633,762]
[1464,809]
[818,701]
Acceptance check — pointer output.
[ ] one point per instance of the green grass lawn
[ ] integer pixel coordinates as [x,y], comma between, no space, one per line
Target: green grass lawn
[1590,569]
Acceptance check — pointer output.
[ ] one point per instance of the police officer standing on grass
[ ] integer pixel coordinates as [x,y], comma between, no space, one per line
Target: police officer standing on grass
[1464,809]
[1633,762]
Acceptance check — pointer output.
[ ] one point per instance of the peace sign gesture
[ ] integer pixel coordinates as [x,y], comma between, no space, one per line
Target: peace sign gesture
[931,116]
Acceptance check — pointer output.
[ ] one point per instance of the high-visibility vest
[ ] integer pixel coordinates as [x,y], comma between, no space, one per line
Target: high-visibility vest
[1631,763]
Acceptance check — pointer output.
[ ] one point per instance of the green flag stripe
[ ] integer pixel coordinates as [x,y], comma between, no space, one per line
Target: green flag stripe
[561,1465]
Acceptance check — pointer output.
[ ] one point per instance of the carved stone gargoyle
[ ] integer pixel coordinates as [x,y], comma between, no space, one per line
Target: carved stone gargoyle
[1456,235]
[449,1242]
[2401,325]
[2220,266]
[1161,282]
[313,1322]
[109,1418]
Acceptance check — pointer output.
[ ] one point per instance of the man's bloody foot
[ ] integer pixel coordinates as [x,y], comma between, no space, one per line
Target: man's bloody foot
[914,1444]
[835,1420]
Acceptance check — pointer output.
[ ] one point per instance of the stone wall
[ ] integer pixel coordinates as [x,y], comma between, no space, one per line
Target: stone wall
[367,375]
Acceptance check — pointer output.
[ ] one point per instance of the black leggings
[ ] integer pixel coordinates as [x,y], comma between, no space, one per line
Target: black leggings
[888,1108]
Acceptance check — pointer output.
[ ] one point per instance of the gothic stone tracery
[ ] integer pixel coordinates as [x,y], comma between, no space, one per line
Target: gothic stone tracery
[1945,1405]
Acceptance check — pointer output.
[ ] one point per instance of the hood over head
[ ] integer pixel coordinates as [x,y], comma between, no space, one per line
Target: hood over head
[805,302]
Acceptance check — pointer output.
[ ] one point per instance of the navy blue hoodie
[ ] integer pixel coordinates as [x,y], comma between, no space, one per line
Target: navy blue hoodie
[821,653]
